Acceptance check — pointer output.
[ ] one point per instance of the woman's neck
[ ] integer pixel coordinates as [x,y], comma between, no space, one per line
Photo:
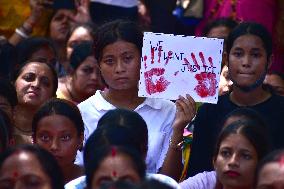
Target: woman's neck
[71,92]
[251,98]
[123,98]
[23,117]
[72,172]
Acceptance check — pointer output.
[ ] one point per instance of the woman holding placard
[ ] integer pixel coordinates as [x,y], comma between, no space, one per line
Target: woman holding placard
[118,47]
[249,54]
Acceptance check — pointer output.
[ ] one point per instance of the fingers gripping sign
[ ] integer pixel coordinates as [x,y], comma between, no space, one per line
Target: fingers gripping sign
[178,65]
[186,110]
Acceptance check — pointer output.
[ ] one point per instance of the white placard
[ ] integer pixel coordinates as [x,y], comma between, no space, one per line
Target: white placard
[173,65]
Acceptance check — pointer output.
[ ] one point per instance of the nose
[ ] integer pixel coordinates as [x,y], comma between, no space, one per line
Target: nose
[65,19]
[234,161]
[246,62]
[54,145]
[95,75]
[120,67]
[35,83]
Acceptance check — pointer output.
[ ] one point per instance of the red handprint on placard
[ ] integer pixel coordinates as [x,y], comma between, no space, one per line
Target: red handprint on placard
[152,83]
[206,80]
[160,85]
[206,84]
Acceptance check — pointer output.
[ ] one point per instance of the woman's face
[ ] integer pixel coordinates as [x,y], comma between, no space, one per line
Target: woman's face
[236,161]
[271,176]
[79,34]
[23,170]
[120,65]
[247,60]
[34,85]
[58,135]
[86,79]
[113,168]
[60,25]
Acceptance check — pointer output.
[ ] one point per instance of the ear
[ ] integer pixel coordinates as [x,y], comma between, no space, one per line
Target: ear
[225,58]
[214,162]
[270,60]
[80,142]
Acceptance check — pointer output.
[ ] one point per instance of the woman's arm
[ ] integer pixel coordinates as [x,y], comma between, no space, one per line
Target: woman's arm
[37,7]
[186,110]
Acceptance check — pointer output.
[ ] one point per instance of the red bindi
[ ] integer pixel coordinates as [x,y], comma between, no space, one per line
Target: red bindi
[281,161]
[113,152]
[114,173]
[15,174]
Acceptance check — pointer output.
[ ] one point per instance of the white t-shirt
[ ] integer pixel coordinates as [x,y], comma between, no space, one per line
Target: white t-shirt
[120,3]
[159,115]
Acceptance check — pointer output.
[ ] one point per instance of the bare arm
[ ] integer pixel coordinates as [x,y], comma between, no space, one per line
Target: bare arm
[186,110]
[37,8]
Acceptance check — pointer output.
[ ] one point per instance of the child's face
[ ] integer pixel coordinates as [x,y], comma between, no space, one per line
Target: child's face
[58,135]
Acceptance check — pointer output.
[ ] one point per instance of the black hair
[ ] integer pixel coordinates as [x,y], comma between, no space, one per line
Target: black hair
[112,134]
[119,184]
[18,72]
[114,31]
[46,160]
[154,184]
[8,59]
[8,91]
[275,156]
[244,113]
[227,22]
[80,52]
[6,130]
[129,119]
[56,106]
[252,131]
[250,28]
[89,26]
[27,47]
[101,153]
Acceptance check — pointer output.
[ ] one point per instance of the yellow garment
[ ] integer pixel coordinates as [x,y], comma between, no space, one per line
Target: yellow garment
[188,136]
[13,13]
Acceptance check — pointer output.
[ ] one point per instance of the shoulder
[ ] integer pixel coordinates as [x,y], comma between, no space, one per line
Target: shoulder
[204,180]
[78,183]
[89,101]
[164,179]
[95,102]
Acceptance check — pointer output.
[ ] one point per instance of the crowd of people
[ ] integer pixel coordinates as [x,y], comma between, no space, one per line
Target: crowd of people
[71,117]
